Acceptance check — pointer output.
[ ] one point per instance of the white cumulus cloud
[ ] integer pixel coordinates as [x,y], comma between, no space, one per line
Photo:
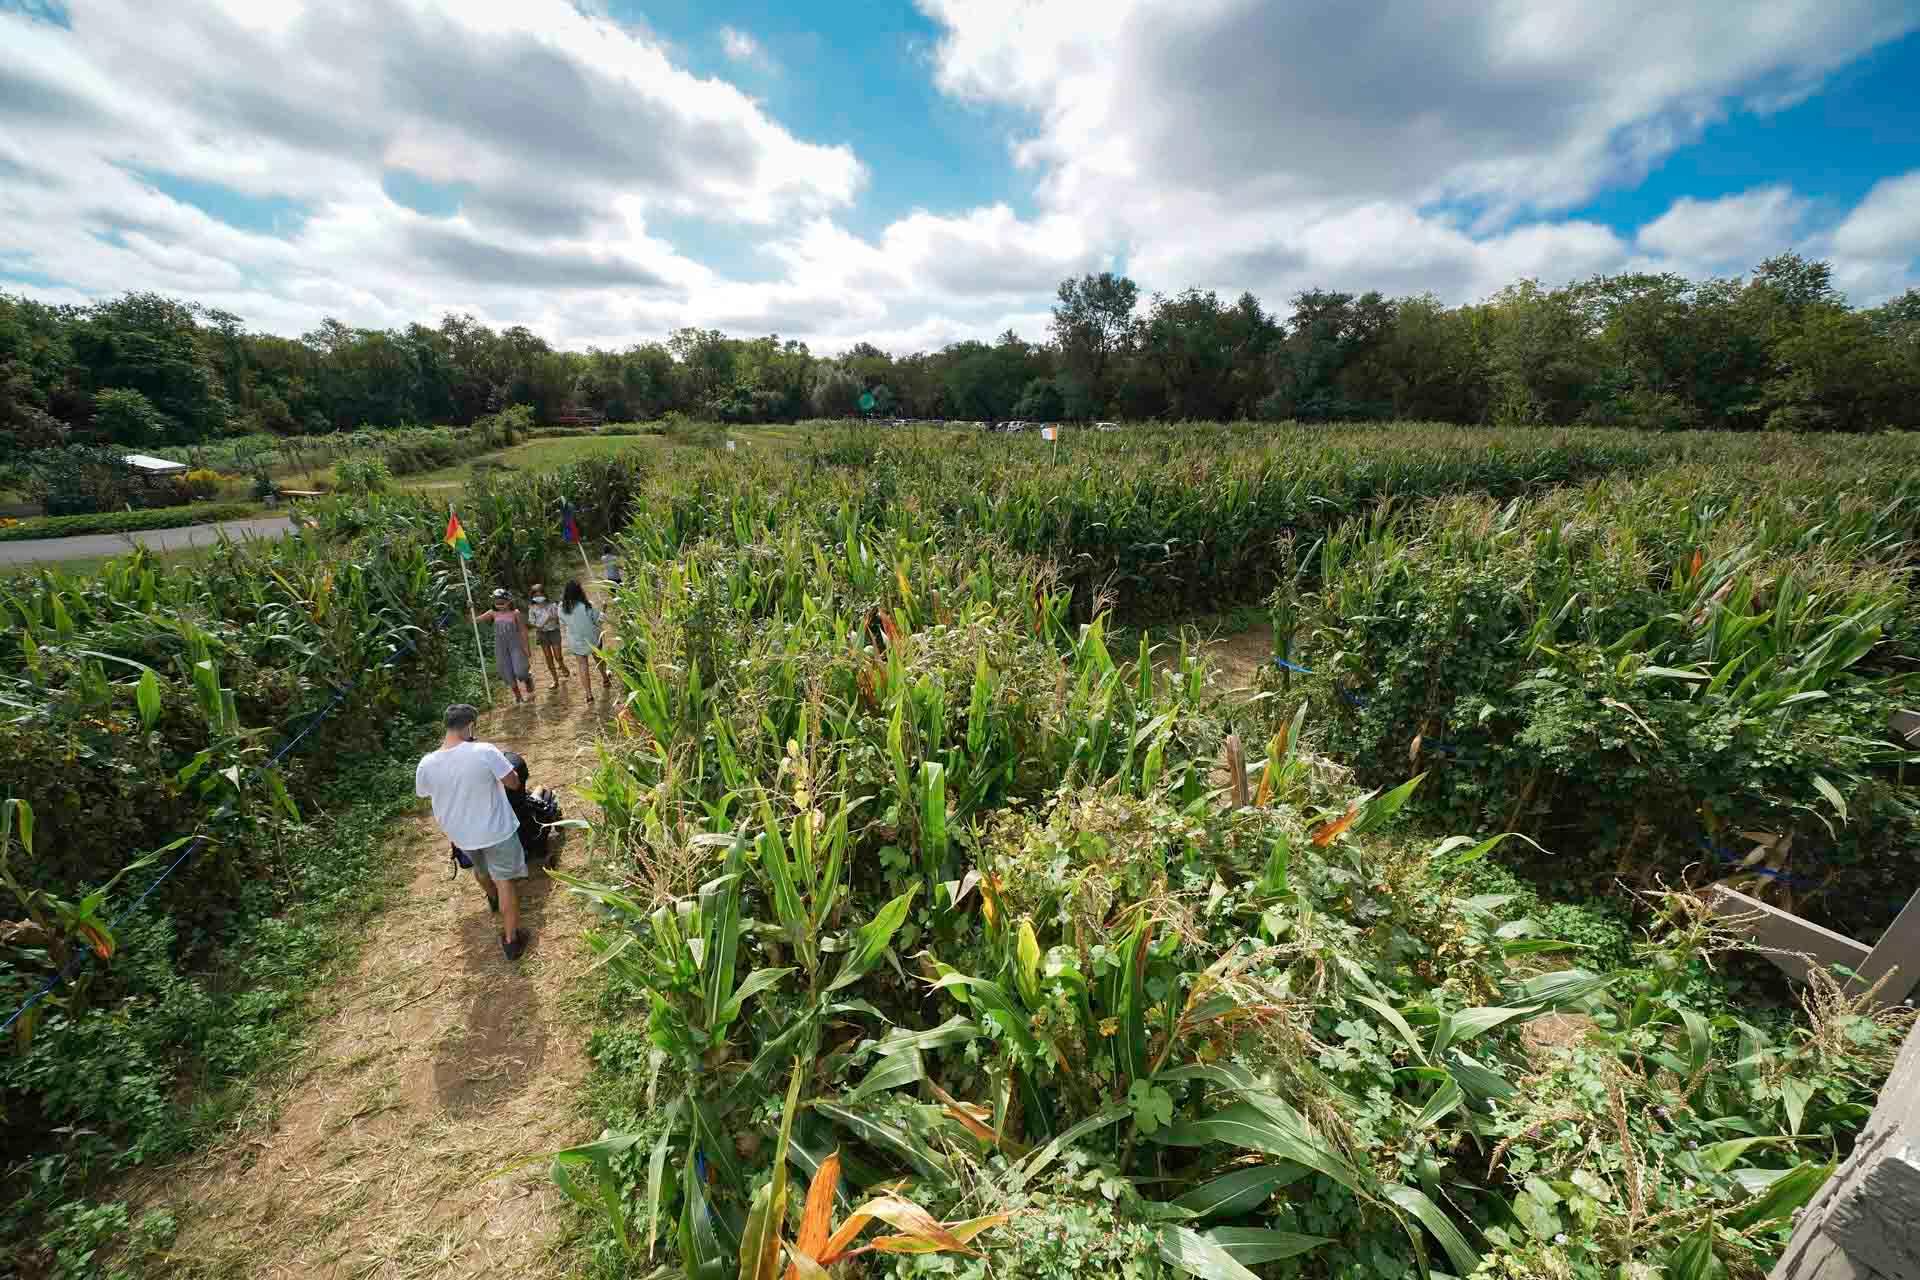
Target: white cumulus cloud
[537,162]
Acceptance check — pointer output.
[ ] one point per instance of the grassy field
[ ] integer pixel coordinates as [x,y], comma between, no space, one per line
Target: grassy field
[532,455]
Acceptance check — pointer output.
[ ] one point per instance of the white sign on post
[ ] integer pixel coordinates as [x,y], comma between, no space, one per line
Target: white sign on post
[729,446]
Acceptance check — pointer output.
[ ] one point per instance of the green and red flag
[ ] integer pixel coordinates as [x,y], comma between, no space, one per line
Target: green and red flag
[457,537]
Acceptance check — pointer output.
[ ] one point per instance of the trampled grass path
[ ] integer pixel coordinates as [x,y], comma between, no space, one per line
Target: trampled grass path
[438,1064]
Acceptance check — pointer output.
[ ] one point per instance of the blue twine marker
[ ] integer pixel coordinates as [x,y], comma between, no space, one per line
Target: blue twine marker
[1353,699]
[1732,858]
[80,955]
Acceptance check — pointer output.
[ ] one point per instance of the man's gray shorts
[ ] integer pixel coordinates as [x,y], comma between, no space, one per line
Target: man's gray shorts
[503,861]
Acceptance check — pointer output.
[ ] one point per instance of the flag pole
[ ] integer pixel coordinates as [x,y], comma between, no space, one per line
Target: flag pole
[472,617]
[579,543]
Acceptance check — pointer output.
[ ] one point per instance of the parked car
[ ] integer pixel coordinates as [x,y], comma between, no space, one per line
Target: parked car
[1106,426]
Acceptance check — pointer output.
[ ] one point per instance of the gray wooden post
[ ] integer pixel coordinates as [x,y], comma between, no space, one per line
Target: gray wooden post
[1795,945]
[1898,950]
[1865,1223]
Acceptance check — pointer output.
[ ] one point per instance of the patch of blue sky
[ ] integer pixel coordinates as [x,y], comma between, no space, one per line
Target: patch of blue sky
[267,215]
[45,10]
[435,199]
[857,72]
[1831,146]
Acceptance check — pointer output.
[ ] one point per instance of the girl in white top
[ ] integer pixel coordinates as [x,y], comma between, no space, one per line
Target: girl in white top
[580,623]
[543,615]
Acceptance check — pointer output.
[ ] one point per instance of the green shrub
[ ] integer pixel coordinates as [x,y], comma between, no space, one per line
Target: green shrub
[361,475]
[124,521]
[81,479]
[127,418]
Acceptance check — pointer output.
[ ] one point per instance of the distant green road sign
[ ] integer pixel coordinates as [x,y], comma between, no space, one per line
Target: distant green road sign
[867,402]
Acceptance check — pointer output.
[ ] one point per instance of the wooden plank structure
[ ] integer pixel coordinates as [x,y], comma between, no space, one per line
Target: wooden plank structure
[1795,945]
[1865,1223]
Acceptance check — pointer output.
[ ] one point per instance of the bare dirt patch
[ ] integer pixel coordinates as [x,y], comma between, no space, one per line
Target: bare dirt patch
[438,1063]
[1242,656]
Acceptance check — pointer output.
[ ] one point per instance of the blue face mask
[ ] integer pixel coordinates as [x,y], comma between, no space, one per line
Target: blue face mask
[539,599]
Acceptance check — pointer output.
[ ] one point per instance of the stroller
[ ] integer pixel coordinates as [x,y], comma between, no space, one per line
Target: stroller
[537,809]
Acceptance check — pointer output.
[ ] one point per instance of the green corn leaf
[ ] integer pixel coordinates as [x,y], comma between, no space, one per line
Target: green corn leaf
[282,798]
[1832,793]
[1254,1128]
[1564,987]
[1444,1101]
[1398,1022]
[757,981]
[1692,1258]
[656,1185]
[1026,963]
[1129,1003]
[1237,1194]
[700,1251]
[1719,1156]
[1785,1195]
[993,999]
[1796,1094]
[933,815]
[720,911]
[891,1072]
[870,939]
[23,823]
[1380,809]
[954,1031]
[147,695]
[1478,851]
[1479,1082]
[760,1241]
[1273,881]
[1465,1024]
[782,886]
[883,1133]
[1465,1259]
[1251,1246]
[1188,1251]
[1699,1043]
[1035,1164]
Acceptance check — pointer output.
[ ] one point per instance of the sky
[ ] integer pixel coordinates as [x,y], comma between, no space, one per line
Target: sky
[917,172]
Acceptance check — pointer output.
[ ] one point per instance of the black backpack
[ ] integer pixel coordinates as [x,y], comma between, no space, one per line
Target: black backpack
[536,808]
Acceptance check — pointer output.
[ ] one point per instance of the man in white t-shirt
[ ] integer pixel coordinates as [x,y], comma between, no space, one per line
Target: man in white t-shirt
[468,782]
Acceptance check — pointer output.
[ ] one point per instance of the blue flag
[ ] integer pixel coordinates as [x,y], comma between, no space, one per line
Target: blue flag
[568,529]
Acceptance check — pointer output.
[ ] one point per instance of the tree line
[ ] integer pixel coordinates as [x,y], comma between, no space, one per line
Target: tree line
[1778,349]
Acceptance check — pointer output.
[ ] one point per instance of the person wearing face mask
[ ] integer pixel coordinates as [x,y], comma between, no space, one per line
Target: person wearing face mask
[544,616]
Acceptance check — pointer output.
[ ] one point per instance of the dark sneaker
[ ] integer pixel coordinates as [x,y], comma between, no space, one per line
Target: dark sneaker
[513,949]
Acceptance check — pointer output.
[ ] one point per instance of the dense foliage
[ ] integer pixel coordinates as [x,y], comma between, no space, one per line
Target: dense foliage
[1056,953]
[139,708]
[1047,981]
[1779,349]
[123,521]
[1693,666]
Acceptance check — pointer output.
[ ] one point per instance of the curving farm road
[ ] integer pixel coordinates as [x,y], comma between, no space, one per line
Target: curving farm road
[90,545]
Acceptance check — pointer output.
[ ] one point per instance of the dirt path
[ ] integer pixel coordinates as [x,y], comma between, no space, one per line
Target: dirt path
[439,1064]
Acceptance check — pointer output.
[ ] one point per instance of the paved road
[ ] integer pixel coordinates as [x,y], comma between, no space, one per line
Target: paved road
[90,545]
